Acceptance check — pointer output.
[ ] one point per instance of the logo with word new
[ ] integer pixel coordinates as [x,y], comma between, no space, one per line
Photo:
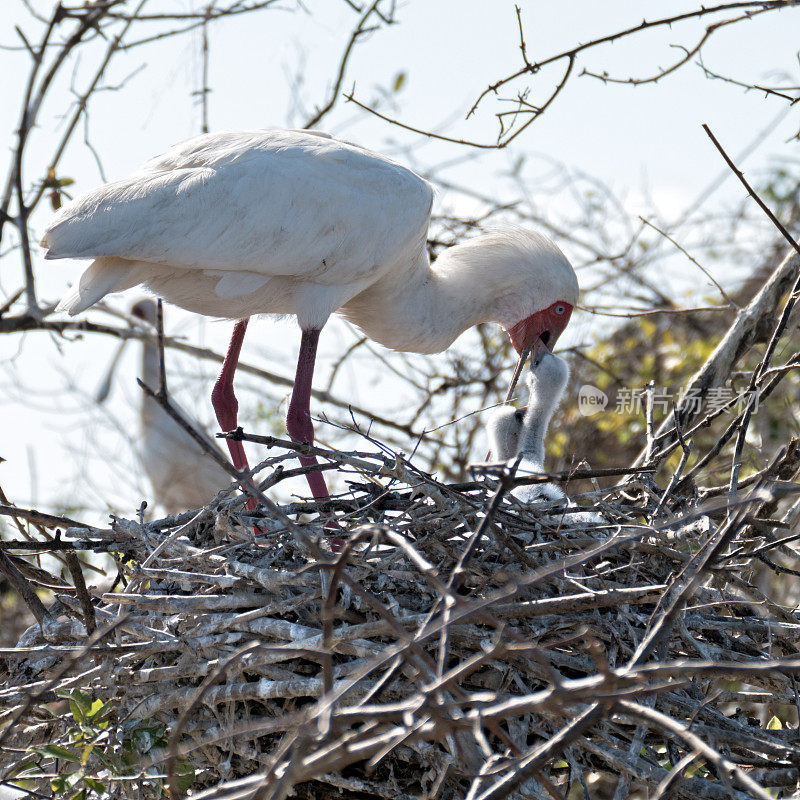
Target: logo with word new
[591,400]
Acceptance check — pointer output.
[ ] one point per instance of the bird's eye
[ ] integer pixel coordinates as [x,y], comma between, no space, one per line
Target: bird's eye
[560,309]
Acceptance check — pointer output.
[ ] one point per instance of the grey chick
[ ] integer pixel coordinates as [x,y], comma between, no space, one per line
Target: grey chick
[522,431]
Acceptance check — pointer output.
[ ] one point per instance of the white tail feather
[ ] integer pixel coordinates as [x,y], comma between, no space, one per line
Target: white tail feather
[103,276]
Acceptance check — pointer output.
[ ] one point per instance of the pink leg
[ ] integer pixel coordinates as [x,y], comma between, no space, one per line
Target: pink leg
[226,406]
[298,420]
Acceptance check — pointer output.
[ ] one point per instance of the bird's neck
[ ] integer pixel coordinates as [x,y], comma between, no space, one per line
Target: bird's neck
[150,365]
[541,406]
[422,309]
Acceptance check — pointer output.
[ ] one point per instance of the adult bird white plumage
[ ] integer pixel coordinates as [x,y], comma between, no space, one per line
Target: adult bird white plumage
[297,222]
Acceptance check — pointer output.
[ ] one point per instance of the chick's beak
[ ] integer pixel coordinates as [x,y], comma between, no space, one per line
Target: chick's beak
[540,346]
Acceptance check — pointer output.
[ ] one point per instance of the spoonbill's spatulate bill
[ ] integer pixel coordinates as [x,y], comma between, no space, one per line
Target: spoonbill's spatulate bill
[297,222]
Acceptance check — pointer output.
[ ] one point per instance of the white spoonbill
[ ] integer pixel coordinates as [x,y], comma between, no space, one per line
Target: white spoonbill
[298,222]
[181,474]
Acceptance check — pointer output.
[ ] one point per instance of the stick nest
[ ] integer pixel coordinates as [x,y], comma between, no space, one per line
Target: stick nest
[446,641]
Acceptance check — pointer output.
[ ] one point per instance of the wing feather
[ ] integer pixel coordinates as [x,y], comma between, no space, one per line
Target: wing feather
[269,202]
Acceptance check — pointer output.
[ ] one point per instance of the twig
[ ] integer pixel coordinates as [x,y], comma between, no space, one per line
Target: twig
[25,591]
[357,33]
[762,205]
[694,261]
[83,594]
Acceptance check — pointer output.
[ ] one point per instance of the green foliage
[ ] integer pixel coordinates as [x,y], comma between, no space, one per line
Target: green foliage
[782,190]
[97,748]
[668,350]
[268,421]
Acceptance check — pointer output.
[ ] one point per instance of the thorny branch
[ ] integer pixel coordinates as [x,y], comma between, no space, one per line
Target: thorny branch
[512,123]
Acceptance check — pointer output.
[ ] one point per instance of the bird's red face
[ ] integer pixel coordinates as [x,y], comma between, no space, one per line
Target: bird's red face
[540,331]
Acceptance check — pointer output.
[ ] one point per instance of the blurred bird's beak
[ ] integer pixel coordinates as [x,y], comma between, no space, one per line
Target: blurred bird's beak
[104,389]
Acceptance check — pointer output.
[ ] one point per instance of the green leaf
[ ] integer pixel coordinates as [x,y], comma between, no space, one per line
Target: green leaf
[79,703]
[99,710]
[65,181]
[20,769]
[87,751]
[104,759]
[92,783]
[55,751]
[100,714]
[774,724]
[399,81]
[184,772]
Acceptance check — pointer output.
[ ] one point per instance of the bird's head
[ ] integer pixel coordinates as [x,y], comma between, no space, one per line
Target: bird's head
[544,290]
[547,380]
[533,286]
[529,286]
[538,332]
[144,309]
